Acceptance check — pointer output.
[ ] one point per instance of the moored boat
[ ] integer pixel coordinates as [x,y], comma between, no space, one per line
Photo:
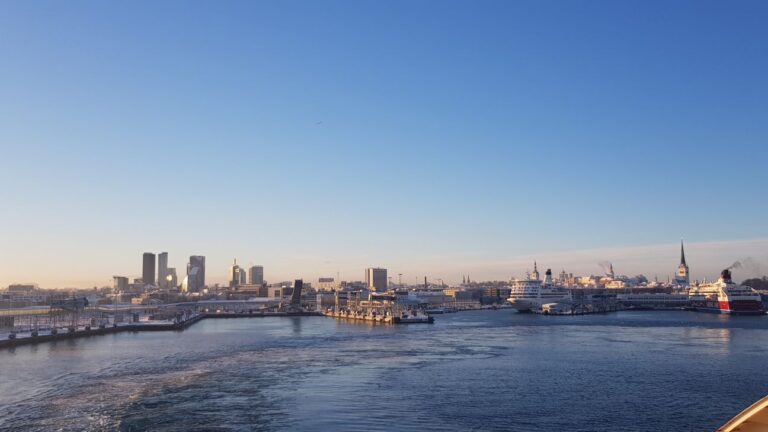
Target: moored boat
[413,317]
[725,296]
[531,294]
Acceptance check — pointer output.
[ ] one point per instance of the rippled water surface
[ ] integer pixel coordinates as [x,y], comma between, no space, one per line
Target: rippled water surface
[483,370]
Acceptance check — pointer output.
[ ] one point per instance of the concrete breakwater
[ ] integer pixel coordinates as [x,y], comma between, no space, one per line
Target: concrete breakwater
[28,338]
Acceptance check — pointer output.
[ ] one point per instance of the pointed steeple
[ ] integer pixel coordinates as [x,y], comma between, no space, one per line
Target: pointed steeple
[682,253]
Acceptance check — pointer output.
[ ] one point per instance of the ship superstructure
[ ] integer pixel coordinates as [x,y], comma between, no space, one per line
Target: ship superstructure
[725,296]
[530,294]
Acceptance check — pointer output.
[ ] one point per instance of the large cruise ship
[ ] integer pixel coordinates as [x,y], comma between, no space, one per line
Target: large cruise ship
[725,296]
[530,294]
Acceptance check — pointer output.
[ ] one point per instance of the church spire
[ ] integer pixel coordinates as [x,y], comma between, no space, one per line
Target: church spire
[682,253]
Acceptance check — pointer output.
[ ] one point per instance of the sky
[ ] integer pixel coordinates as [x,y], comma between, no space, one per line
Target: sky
[436,138]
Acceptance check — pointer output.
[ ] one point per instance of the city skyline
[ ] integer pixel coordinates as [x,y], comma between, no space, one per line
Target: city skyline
[434,139]
[706,260]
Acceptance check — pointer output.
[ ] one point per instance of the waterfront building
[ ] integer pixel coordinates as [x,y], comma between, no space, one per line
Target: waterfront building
[21,288]
[195,274]
[253,290]
[353,286]
[327,284]
[498,292]
[256,275]
[279,290]
[376,279]
[162,269]
[120,283]
[682,276]
[148,269]
[616,284]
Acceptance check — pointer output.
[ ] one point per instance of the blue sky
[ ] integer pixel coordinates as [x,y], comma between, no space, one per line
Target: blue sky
[427,137]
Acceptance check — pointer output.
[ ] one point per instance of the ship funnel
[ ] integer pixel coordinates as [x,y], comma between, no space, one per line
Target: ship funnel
[725,275]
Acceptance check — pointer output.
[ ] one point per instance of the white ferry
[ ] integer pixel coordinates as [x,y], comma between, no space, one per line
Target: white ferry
[413,316]
[530,294]
[725,296]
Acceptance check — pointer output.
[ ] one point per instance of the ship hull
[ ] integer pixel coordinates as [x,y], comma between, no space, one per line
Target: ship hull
[522,306]
[731,308]
[414,320]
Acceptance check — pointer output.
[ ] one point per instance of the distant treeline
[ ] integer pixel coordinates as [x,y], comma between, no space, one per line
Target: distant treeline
[757,283]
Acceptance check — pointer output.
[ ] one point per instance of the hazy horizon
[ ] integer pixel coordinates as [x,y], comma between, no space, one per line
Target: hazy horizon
[706,260]
[430,138]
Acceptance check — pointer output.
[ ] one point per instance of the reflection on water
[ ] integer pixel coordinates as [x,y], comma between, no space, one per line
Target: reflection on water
[296,325]
[485,370]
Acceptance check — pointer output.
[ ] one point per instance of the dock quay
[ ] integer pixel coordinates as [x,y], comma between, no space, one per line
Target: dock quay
[350,315]
[577,309]
[403,317]
[79,331]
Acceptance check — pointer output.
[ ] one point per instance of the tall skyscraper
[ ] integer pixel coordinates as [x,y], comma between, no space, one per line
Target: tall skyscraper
[148,269]
[376,279]
[234,274]
[162,270]
[256,275]
[683,275]
[195,273]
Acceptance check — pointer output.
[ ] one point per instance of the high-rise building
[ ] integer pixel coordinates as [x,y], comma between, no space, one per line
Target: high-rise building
[162,270]
[683,275]
[195,273]
[148,269]
[376,279]
[242,279]
[256,275]
[234,274]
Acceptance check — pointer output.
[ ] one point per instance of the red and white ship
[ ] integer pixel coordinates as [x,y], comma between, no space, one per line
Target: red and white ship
[725,296]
